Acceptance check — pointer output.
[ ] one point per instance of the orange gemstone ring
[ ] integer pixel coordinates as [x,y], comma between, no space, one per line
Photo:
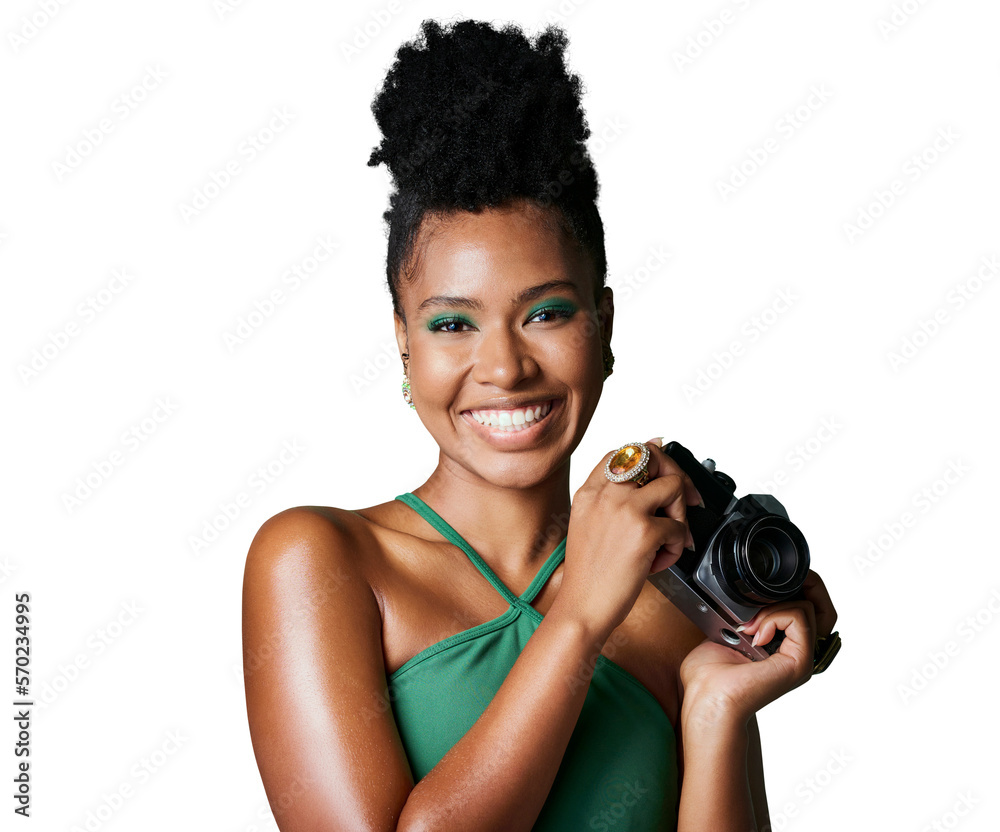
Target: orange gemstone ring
[628,464]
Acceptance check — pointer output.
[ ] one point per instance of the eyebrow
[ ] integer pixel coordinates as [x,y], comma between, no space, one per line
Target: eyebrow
[471,303]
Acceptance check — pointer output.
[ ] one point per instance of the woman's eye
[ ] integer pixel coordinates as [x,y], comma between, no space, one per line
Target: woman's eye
[448,325]
[553,313]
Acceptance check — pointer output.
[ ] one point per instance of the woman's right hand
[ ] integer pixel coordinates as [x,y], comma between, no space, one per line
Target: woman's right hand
[616,539]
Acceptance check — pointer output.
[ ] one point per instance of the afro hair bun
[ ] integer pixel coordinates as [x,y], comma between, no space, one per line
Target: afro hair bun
[472,116]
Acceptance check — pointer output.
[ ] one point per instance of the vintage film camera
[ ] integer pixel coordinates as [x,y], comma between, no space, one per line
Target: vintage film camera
[747,554]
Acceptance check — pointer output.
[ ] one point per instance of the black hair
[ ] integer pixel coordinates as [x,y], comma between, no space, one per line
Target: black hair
[475,117]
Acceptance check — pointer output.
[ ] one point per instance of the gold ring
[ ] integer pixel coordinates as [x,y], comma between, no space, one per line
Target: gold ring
[628,464]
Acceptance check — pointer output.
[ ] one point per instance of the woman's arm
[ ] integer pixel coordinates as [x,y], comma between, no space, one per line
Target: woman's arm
[746,770]
[323,733]
[716,790]
[498,776]
[329,756]
[723,785]
[727,777]
[755,774]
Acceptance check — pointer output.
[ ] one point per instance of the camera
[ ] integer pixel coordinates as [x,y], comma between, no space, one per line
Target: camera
[747,554]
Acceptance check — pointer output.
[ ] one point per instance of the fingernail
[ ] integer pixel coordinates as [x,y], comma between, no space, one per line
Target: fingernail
[741,628]
[756,638]
[658,440]
[690,540]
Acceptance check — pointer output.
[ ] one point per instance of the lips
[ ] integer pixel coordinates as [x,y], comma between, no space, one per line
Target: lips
[513,435]
[513,420]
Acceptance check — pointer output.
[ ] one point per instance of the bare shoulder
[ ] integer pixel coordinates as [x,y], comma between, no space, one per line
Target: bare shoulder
[301,562]
[317,549]
[312,537]
[299,526]
[296,548]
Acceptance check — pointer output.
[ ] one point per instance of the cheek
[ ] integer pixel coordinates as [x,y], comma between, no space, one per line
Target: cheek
[576,361]
[585,348]
[440,372]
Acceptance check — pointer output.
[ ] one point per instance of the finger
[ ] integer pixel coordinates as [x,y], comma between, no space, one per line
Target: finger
[662,559]
[666,493]
[799,641]
[660,464]
[767,624]
[815,590]
[669,552]
[754,625]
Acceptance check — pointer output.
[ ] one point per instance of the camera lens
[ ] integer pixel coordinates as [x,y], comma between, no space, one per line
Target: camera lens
[764,559]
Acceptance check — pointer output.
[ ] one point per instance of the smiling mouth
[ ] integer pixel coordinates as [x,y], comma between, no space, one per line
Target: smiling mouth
[513,421]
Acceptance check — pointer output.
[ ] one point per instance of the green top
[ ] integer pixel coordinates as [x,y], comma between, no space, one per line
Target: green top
[619,771]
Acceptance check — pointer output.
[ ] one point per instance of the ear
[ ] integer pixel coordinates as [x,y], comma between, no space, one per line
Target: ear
[606,312]
[401,338]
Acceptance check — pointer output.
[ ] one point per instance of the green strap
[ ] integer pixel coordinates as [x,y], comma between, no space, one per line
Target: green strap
[439,523]
[543,574]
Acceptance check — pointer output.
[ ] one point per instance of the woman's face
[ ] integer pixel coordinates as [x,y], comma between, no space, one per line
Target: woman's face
[500,317]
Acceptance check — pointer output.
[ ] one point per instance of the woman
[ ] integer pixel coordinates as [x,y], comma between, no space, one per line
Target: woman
[473,654]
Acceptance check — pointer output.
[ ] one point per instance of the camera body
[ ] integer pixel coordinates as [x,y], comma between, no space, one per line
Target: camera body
[747,554]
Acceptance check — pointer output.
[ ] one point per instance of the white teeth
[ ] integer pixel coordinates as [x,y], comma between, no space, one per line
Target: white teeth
[511,420]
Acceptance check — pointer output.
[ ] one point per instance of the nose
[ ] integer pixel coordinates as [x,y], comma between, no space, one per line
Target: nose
[503,359]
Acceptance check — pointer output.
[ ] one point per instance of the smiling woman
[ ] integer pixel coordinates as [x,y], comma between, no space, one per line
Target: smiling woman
[502,315]
[482,653]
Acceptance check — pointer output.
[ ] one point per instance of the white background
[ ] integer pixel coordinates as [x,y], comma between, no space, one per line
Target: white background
[812,396]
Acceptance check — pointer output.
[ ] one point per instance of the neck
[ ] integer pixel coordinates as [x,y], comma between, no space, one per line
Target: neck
[514,529]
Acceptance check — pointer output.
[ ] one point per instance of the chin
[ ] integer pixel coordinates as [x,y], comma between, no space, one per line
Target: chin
[515,472]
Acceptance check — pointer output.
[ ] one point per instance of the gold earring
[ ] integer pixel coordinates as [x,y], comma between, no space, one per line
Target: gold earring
[407,396]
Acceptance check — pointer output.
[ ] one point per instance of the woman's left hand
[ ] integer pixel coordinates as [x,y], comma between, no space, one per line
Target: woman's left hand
[720,683]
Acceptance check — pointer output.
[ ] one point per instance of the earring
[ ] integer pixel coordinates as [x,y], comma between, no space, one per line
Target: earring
[609,358]
[407,397]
